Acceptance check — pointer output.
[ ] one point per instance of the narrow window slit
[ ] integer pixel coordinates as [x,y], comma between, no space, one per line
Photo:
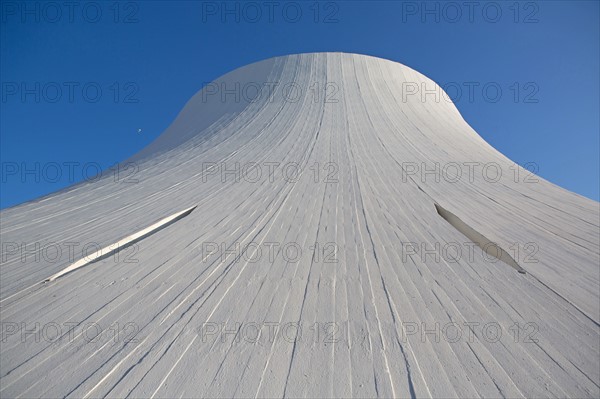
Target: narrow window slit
[488,246]
[123,243]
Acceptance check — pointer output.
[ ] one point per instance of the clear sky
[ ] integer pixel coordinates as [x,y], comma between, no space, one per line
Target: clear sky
[80,79]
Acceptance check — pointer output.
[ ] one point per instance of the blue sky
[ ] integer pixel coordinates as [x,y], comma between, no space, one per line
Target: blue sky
[79,81]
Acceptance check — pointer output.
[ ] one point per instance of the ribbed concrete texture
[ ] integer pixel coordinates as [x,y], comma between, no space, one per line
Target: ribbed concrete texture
[314,225]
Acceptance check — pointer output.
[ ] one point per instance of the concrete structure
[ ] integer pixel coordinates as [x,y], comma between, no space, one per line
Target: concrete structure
[313,225]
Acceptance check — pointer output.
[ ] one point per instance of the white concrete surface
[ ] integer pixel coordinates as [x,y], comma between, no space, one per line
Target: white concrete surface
[352,254]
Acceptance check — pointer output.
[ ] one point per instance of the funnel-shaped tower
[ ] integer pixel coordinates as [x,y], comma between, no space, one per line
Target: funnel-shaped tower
[314,225]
